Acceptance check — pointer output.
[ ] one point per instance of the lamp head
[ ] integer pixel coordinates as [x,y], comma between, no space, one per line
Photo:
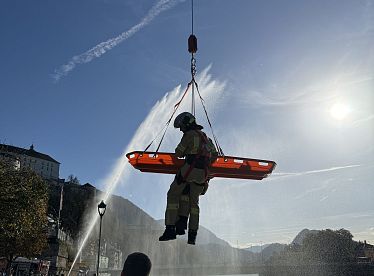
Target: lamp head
[101,208]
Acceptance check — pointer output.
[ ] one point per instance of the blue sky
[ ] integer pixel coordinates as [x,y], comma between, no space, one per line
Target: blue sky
[273,71]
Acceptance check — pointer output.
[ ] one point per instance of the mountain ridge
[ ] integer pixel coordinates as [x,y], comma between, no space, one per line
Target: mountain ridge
[127,228]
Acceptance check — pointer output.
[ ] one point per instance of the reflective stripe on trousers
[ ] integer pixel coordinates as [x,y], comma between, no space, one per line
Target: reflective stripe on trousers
[173,199]
[191,207]
[183,205]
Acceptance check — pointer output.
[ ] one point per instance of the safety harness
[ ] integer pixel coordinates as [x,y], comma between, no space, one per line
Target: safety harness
[203,153]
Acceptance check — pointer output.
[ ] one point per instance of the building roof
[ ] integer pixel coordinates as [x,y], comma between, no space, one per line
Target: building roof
[29,152]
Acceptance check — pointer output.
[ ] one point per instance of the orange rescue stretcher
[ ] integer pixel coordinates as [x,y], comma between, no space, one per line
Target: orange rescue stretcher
[224,166]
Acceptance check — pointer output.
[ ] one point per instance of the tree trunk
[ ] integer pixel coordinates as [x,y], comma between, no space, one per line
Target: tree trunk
[9,264]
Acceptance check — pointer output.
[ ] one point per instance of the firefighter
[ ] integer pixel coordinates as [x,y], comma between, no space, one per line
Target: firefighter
[190,182]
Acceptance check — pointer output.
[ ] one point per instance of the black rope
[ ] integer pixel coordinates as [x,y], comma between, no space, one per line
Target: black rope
[193,72]
[150,144]
[176,106]
[193,66]
[193,109]
[220,151]
[192,50]
[192,15]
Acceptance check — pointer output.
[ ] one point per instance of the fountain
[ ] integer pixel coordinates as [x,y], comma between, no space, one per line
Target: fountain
[153,123]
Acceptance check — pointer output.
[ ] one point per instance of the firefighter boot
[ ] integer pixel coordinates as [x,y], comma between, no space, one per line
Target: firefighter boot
[181,225]
[192,236]
[169,234]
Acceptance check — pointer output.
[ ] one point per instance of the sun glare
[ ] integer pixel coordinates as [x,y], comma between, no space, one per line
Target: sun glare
[339,111]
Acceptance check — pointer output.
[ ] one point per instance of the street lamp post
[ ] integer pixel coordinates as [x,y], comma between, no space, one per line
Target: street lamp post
[101,209]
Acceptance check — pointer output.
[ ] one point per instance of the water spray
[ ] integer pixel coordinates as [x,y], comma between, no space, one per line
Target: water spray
[144,133]
[118,171]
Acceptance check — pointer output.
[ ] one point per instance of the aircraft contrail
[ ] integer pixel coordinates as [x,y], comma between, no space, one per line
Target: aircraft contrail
[103,47]
[283,174]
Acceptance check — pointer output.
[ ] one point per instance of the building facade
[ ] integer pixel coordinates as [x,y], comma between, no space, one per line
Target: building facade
[41,163]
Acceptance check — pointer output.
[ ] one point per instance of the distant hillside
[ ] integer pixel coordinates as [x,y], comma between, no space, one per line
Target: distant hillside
[273,248]
[322,252]
[204,236]
[256,248]
[301,236]
[130,229]
[264,252]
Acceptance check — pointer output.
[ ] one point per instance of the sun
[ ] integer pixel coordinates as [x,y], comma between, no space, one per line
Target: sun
[339,111]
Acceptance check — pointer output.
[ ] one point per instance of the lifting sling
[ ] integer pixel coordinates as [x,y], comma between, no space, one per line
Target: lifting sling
[224,166]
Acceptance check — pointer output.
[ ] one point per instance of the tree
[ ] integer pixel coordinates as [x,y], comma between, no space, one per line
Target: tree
[324,247]
[328,246]
[23,206]
[73,179]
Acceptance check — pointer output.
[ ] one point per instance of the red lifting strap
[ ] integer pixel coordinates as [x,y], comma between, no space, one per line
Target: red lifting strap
[224,166]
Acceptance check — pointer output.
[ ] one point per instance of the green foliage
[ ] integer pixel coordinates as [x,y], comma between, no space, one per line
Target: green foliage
[77,199]
[324,247]
[329,246]
[23,206]
[73,180]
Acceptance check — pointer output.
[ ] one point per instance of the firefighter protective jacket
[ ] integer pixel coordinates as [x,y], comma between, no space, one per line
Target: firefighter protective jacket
[196,145]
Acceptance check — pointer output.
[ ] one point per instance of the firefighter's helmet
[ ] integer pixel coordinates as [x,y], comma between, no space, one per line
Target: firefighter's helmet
[184,120]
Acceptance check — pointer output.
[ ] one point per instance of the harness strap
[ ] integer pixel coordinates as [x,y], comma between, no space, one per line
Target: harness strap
[192,165]
[205,139]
